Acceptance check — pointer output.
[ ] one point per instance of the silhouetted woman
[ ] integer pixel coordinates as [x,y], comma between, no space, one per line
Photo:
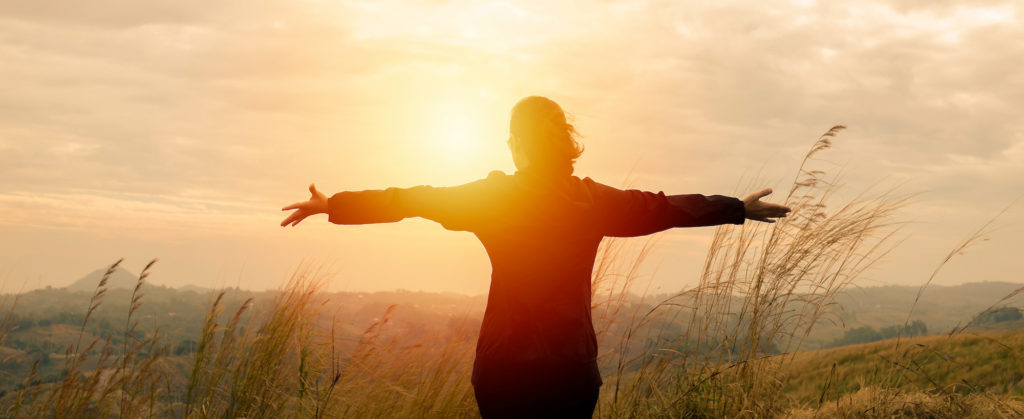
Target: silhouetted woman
[537,352]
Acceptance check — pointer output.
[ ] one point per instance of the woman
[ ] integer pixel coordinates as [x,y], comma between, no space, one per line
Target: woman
[541,226]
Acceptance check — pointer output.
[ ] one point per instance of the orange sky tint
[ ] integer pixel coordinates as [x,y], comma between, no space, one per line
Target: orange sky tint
[177,129]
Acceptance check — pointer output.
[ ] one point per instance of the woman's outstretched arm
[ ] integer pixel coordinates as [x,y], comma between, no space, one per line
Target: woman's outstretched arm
[362,207]
[629,213]
[460,207]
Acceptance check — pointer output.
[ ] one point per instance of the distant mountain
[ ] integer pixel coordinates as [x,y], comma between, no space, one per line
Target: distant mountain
[119,279]
[195,288]
[122,279]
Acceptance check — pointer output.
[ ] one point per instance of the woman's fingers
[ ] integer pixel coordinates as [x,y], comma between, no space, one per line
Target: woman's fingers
[296,205]
[754,197]
[758,195]
[294,218]
[765,211]
[288,220]
[780,210]
[775,209]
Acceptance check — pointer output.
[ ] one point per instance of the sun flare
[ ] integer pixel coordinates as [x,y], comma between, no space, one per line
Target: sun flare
[456,136]
[452,136]
[455,132]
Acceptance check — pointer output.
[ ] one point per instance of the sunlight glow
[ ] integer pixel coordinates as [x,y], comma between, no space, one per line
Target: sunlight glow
[455,132]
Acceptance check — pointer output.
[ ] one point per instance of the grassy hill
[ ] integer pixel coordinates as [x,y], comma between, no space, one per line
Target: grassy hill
[991,361]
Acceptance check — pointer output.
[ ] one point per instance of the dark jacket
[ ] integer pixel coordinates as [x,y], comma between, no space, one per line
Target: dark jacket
[541,235]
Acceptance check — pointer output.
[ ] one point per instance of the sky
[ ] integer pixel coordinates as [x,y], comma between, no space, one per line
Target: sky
[177,129]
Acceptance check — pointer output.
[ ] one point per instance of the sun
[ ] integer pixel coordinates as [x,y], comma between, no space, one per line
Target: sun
[455,132]
[458,137]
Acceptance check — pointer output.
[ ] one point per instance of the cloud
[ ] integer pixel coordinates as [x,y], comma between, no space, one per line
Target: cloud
[174,101]
[130,214]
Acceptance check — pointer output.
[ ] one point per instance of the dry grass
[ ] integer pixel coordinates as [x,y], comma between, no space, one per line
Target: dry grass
[876,402]
[762,289]
[269,361]
[261,367]
[98,383]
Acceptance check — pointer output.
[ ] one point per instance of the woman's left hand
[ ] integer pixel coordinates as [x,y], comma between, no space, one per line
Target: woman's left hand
[317,204]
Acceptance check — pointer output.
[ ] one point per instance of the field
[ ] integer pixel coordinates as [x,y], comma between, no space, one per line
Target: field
[738,344]
[412,359]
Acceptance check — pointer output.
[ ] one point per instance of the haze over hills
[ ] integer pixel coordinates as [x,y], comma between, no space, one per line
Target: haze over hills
[119,279]
[950,303]
[853,299]
[941,308]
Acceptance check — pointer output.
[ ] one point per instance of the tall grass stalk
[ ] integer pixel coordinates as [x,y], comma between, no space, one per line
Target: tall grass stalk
[250,368]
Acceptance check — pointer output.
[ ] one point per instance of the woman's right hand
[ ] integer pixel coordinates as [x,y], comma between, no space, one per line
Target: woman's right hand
[758,210]
[317,204]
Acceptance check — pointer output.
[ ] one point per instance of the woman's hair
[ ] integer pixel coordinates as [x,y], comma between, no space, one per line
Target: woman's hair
[547,139]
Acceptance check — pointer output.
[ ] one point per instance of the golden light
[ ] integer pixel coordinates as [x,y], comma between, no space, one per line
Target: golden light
[455,132]
[453,136]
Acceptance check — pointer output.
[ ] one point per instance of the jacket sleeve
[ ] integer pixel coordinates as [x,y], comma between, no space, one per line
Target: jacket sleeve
[462,207]
[629,213]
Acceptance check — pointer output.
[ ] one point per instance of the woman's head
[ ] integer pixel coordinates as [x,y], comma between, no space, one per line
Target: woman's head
[541,138]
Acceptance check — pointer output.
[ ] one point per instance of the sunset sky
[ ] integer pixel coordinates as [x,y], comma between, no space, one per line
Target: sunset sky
[177,129]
